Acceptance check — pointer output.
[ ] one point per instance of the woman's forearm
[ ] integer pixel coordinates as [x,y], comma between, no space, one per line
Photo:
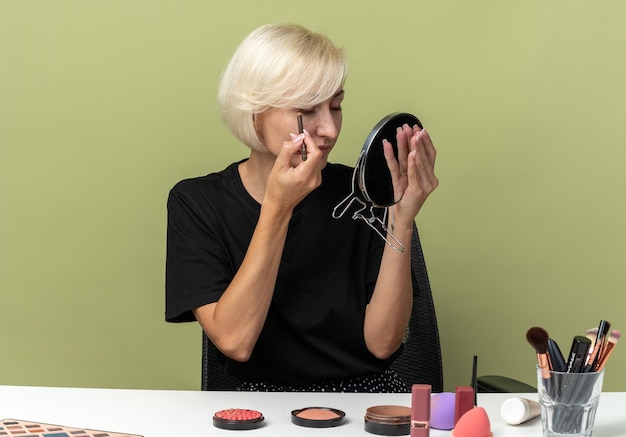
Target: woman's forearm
[389,310]
[234,322]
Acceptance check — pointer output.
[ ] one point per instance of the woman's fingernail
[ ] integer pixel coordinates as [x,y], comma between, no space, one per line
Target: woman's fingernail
[297,138]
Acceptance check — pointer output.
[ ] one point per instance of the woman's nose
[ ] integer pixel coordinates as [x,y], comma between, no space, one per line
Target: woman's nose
[327,124]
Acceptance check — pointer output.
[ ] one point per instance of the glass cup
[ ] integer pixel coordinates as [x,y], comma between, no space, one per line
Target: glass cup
[568,402]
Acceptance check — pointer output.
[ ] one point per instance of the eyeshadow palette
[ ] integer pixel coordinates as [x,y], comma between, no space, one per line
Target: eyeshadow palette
[21,428]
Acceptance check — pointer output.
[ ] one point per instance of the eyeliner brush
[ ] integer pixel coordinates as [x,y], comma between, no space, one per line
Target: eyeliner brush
[300,131]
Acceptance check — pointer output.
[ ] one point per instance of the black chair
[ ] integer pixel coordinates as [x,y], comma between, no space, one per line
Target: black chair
[502,384]
[419,363]
[214,378]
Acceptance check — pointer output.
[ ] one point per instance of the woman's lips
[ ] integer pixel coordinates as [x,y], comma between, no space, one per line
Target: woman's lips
[325,150]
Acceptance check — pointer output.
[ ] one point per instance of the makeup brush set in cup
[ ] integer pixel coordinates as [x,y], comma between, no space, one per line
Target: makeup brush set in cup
[569,387]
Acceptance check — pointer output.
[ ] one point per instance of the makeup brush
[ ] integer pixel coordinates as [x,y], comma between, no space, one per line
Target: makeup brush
[608,349]
[538,339]
[592,360]
[555,357]
[591,334]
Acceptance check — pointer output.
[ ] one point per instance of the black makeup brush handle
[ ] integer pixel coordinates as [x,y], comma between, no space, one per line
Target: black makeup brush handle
[556,357]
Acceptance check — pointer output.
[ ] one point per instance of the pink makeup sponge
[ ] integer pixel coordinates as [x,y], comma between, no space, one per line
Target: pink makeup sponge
[474,423]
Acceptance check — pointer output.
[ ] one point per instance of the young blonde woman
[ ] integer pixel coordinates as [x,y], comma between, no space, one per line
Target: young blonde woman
[294,299]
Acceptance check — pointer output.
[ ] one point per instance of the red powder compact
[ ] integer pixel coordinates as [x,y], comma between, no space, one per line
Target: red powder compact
[318,417]
[238,419]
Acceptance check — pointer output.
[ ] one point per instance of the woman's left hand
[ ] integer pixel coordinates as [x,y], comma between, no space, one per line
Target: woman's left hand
[413,173]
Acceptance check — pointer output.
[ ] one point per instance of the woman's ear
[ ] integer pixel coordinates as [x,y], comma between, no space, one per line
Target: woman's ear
[256,120]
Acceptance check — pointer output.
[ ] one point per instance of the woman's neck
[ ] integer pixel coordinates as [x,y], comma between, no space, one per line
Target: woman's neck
[254,173]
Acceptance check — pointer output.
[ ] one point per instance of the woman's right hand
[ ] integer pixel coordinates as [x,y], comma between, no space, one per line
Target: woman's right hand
[292,178]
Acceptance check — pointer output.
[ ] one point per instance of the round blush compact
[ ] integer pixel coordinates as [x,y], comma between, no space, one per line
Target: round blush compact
[388,420]
[317,417]
[238,419]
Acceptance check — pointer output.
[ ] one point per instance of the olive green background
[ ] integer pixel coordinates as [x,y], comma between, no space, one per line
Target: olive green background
[104,105]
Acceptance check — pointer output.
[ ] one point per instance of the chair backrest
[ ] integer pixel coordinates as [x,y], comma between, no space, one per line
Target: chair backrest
[214,377]
[419,363]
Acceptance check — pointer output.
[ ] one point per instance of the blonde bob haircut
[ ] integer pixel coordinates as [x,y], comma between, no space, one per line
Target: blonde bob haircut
[277,66]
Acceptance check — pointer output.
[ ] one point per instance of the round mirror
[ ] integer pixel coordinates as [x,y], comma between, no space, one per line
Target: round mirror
[373,175]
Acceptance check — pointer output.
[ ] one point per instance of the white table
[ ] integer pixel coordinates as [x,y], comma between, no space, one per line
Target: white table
[162,413]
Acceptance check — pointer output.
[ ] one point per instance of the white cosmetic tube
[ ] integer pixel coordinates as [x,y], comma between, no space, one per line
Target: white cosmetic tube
[519,410]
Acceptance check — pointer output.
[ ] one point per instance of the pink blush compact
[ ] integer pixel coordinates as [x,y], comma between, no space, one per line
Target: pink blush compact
[317,417]
[238,419]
